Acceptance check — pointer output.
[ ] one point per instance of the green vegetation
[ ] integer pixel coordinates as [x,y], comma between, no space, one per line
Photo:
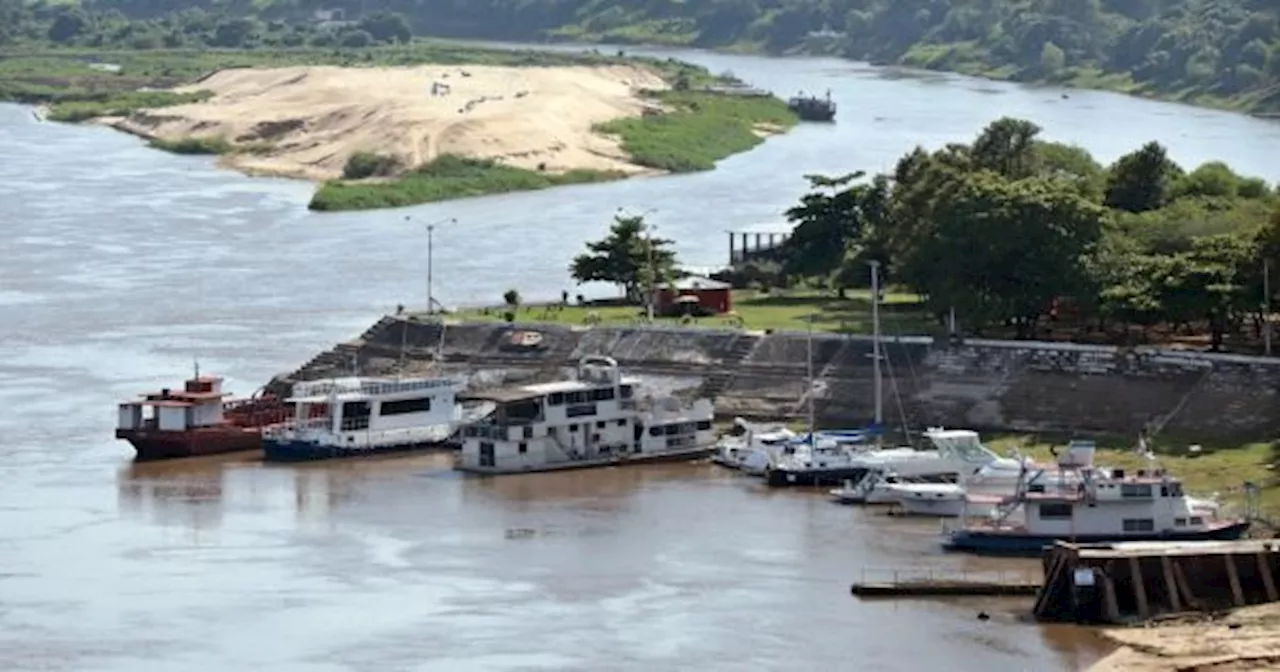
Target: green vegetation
[117,104]
[1032,239]
[368,164]
[698,129]
[1204,51]
[752,309]
[446,177]
[194,145]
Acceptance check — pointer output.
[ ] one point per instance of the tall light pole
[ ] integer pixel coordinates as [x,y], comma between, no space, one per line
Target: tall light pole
[1266,306]
[431,228]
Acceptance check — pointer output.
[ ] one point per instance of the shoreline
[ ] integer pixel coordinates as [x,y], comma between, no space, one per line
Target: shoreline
[1244,639]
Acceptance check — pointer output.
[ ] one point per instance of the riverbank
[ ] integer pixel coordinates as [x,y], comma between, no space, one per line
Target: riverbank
[1246,639]
[382,128]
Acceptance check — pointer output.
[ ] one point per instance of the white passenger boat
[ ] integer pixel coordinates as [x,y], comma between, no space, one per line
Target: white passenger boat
[344,417]
[596,419]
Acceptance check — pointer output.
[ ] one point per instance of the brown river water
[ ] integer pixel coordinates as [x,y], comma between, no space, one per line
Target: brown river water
[119,265]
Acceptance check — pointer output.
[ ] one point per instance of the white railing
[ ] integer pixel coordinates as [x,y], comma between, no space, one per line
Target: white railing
[371,386]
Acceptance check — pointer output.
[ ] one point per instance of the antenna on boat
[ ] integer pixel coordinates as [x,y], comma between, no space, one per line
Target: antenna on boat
[812,439]
[195,359]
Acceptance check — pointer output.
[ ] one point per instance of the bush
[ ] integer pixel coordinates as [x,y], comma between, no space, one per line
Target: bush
[369,164]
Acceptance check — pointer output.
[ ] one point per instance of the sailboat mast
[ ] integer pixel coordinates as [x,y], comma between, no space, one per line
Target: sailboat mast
[812,382]
[875,337]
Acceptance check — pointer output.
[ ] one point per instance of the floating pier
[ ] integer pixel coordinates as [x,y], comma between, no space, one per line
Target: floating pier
[933,583]
[1138,581]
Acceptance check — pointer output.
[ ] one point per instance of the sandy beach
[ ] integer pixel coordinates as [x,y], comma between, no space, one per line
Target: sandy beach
[305,122]
[1247,639]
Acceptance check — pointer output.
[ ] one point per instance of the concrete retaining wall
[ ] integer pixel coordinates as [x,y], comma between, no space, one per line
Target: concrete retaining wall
[990,385]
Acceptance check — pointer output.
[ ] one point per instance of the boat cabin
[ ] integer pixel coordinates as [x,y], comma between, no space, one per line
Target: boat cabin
[198,404]
[594,417]
[1149,502]
[357,404]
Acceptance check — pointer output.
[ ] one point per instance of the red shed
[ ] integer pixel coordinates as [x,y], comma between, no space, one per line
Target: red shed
[711,295]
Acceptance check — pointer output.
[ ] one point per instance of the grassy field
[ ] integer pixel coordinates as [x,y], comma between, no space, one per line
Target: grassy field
[444,178]
[698,129]
[779,310]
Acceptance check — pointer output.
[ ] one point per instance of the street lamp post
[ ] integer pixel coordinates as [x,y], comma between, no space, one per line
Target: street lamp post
[431,228]
[653,271]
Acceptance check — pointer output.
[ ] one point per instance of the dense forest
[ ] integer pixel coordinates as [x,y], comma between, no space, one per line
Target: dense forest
[1019,235]
[1223,49]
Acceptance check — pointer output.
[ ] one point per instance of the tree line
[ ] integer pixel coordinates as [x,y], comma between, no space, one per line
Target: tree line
[1015,232]
[1224,48]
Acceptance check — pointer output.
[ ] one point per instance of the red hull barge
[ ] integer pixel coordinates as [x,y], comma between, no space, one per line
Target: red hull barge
[198,420]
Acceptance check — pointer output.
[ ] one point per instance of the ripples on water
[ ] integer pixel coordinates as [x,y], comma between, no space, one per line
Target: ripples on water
[121,264]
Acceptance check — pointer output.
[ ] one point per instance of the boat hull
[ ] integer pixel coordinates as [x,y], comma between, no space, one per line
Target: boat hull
[309,451]
[163,445]
[784,478]
[612,461]
[996,542]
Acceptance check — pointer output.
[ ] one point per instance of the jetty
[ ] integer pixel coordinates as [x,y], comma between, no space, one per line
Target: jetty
[1139,581]
[936,583]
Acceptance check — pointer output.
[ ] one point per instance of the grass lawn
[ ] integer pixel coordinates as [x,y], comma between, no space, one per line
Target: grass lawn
[779,310]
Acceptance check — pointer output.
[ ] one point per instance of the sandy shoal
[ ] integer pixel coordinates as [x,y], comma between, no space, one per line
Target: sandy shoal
[1247,639]
[306,121]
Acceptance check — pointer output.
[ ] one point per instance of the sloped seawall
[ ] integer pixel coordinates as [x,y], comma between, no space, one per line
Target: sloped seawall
[989,385]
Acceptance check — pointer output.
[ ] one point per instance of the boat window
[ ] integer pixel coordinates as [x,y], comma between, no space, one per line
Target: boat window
[655,431]
[524,447]
[555,398]
[1175,489]
[1179,522]
[573,428]
[604,394]
[625,391]
[402,406]
[1197,520]
[528,432]
[1055,511]
[1135,490]
[704,425]
[600,424]
[622,422]
[520,412]
[672,430]
[575,397]
[579,410]
[1139,525]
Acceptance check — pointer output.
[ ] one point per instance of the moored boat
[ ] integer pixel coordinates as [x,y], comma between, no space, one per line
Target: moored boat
[1105,507]
[356,416]
[749,447]
[596,419]
[199,419]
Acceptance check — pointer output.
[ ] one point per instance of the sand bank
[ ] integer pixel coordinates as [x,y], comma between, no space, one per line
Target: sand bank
[1248,639]
[306,121]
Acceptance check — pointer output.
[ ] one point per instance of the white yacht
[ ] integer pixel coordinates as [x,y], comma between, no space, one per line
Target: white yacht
[876,487]
[342,417]
[597,419]
[1104,507]
[980,493]
[749,447]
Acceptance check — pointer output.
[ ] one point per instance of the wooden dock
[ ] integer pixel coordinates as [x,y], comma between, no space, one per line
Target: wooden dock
[1138,581]
[927,588]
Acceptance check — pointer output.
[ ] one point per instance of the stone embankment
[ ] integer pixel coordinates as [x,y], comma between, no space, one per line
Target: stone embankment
[986,385]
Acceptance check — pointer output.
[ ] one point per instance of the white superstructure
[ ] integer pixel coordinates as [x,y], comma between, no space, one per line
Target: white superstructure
[339,416]
[599,418]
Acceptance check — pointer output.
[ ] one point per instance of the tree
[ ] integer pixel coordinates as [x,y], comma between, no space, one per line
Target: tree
[386,27]
[1141,180]
[629,257]
[833,218]
[1007,146]
[1052,59]
[67,25]
[1003,251]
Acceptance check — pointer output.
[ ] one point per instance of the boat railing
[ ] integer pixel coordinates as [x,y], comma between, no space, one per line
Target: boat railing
[371,386]
[295,426]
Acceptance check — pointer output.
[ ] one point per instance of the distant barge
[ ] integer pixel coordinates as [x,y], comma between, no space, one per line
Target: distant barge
[813,108]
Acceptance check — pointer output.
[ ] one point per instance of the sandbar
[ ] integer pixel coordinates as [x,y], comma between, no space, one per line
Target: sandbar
[305,122]
[1247,639]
